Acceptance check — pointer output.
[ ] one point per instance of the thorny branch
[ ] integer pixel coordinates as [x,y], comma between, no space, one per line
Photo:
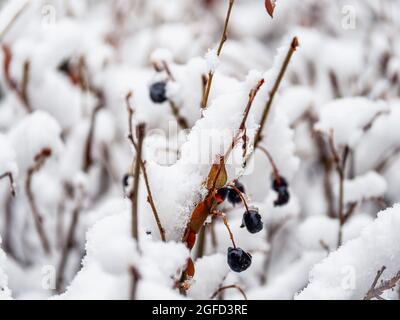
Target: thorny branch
[219,50]
[40,159]
[293,46]
[150,198]
[11,181]
[377,291]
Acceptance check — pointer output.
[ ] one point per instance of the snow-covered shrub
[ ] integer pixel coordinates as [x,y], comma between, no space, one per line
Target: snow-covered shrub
[154,149]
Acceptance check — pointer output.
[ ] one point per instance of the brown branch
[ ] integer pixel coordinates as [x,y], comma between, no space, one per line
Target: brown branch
[68,245]
[384,163]
[87,155]
[340,169]
[13,19]
[40,159]
[24,85]
[233,286]
[20,91]
[376,292]
[181,120]
[252,94]
[293,46]
[150,198]
[11,181]
[219,50]
[140,130]
[135,277]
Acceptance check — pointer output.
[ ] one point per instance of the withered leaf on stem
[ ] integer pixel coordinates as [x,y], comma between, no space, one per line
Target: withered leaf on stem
[270,7]
[200,214]
[217,177]
[190,270]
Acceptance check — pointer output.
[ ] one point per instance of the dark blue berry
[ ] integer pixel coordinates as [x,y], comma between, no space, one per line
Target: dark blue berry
[278,183]
[252,221]
[233,195]
[158,92]
[238,260]
[283,197]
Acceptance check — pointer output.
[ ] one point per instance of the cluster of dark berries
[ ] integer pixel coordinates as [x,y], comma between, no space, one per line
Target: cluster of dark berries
[158,92]
[238,260]
[252,221]
[280,185]
[231,194]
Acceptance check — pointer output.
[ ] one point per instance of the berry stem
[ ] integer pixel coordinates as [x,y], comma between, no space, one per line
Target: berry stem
[240,195]
[223,216]
[219,50]
[272,162]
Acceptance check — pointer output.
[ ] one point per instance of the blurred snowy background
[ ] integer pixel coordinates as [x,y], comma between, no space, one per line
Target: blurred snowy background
[69,68]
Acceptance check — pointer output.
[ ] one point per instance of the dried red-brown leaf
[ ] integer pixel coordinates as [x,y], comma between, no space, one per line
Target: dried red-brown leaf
[190,270]
[217,177]
[200,214]
[191,239]
[270,7]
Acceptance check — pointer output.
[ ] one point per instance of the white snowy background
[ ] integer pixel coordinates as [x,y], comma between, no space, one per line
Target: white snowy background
[64,151]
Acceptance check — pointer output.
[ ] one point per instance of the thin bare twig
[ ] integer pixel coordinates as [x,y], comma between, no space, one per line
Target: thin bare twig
[252,95]
[233,286]
[68,244]
[87,155]
[140,130]
[135,277]
[293,46]
[271,161]
[150,198]
[376,292]
[20,90]
[219,50]
[40,159]
[11,181]
[340,168]
[13,19]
